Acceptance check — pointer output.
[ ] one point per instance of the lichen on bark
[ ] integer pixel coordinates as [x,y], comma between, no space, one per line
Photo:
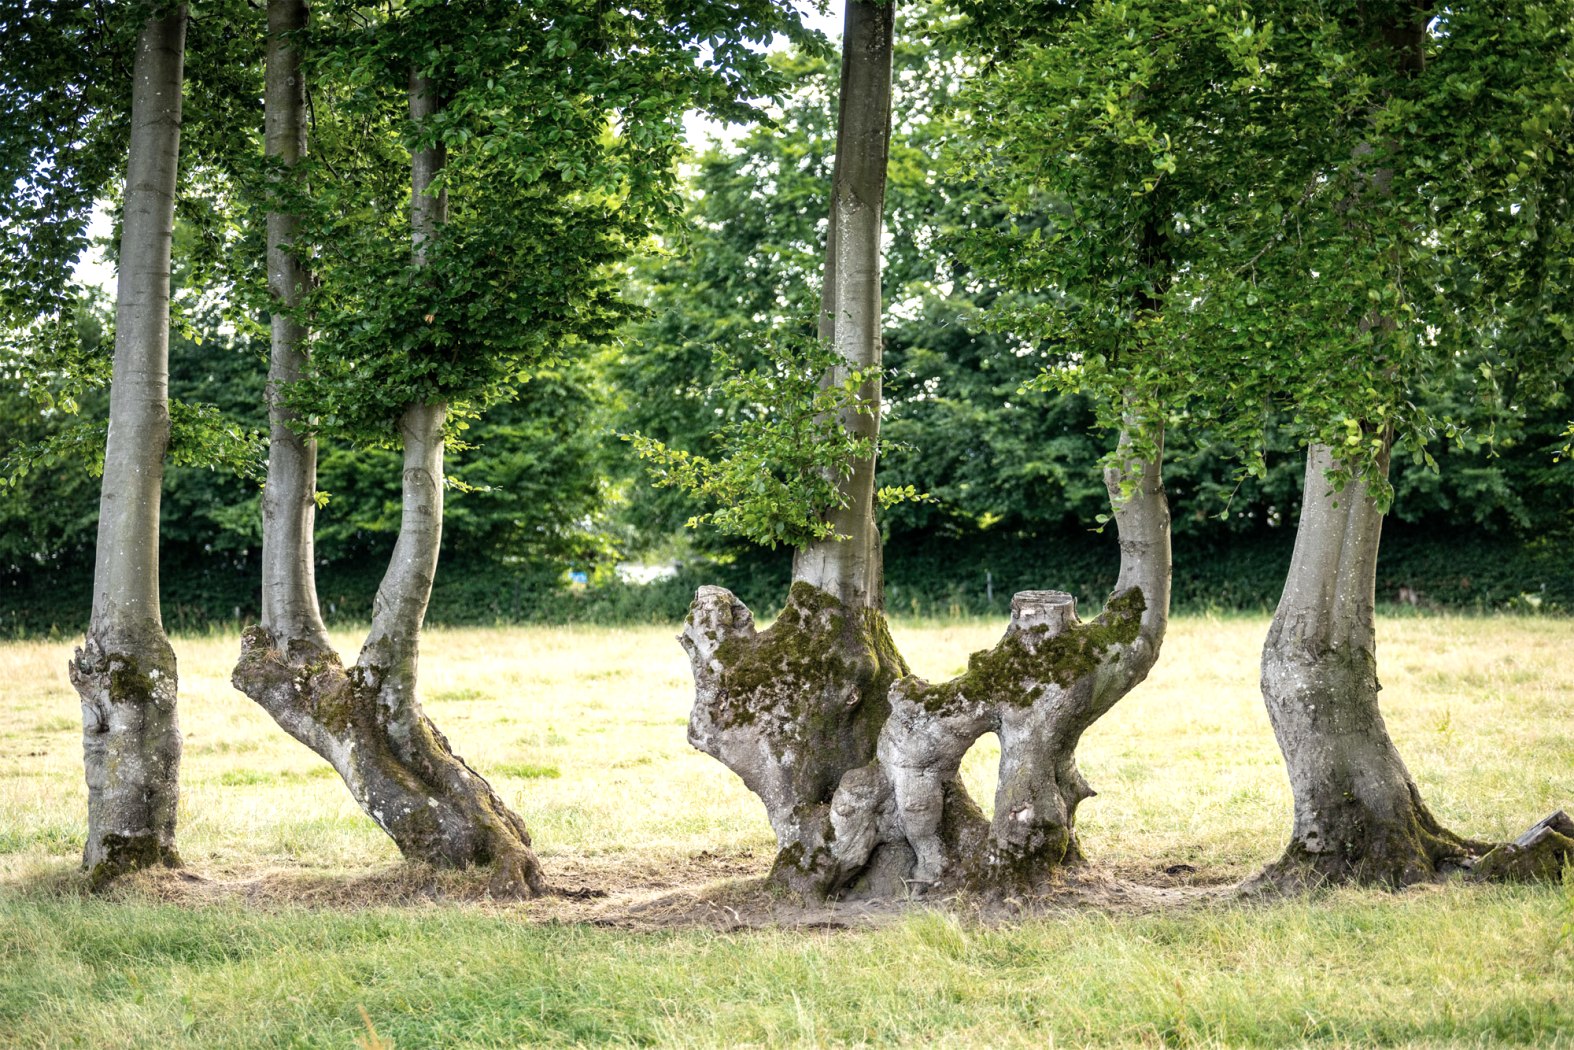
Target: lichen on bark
[397,765]
[1047,679]
[790,709]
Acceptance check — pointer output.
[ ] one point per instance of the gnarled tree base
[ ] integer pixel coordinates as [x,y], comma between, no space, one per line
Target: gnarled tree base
[790,711]
[1038,689]
[397,765]
[131,747]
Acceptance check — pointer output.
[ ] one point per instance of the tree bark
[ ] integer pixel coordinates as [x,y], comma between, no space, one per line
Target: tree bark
[289,506]
[368,721]
[850,313]
[794,708]
[905,823]
[901,822]
[125,671]
[1358,814]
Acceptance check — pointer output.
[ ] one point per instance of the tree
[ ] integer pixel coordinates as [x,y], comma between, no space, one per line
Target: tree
[125,671]
[539,148]
[1358,813]
[856,760]
[1339,255]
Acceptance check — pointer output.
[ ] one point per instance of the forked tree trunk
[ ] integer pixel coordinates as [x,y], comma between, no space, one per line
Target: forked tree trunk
[368,722]
[855,761]
[125,670]
[1359,816]
[906,821]
[794,708]
[901,822]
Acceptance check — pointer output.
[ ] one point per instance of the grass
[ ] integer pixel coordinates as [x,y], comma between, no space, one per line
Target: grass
[582,732]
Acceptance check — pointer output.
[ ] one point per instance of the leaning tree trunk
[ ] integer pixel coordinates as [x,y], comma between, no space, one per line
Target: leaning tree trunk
[125,671]
[368,722]
[1359,816]
[792,709]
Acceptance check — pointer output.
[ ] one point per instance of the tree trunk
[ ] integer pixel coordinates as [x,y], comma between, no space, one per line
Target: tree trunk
[905,823]
[125,670]
[794,708]
[289,506]
[368,722]
[1358,814]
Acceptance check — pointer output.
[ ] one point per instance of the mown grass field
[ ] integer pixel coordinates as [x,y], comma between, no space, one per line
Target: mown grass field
[297,915]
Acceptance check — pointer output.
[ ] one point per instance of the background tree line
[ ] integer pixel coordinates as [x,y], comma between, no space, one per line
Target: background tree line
[549,487]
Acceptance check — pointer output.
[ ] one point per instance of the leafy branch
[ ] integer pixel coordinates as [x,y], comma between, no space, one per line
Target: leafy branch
[784,451]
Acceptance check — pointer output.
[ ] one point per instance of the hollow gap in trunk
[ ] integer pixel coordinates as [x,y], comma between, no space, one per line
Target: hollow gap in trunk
[980,773]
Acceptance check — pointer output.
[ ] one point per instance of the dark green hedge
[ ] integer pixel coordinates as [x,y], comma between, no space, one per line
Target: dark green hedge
[924,577]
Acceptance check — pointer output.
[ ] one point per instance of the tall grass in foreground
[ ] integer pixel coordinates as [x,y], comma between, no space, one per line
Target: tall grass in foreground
[582,729]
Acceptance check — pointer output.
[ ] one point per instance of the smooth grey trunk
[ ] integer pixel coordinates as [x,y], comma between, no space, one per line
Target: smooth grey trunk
[289,506]
[793,708]
[125,671]
[850,312]
[368,721]
[1358,814]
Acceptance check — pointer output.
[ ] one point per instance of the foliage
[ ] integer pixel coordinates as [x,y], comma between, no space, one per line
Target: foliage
[782,457]
[1244,215]
[954,423]
[63,140]
[560,125]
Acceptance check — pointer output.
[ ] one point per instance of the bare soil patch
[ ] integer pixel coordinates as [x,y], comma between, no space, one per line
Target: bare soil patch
[715,890]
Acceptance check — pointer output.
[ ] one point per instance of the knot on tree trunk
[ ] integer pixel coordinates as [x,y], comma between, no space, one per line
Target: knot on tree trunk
[304,687]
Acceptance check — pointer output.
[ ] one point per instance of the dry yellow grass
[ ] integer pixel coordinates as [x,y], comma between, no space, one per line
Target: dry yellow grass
[582,730]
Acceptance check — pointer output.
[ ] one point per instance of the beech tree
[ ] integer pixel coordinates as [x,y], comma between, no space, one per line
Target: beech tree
[1360,200]
[71,132]
[539,150]
[76,124]
[125,670]
[855,759]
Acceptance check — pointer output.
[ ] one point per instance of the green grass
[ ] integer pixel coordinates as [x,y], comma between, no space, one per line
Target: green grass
[1186,769]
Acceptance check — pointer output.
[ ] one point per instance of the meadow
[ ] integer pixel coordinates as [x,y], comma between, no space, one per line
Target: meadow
[294,924]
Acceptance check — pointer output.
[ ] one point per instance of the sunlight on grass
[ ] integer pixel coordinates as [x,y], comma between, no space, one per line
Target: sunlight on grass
[581,730]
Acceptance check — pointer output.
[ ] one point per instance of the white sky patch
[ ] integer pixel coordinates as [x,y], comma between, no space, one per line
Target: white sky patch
[701,129]
[92,266]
